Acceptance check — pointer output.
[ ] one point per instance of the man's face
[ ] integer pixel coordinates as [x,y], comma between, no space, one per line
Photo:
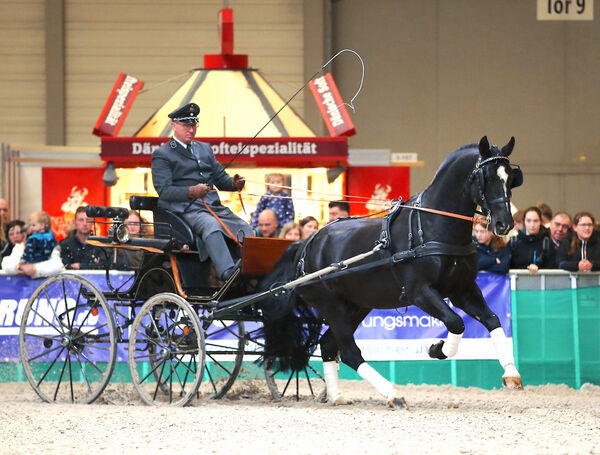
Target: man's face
[336,212]
[4,210]
[184,132]
[267,225]
[559,227]
[82,224]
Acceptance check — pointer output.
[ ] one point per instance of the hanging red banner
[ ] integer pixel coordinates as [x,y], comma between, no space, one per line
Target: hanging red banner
[331,106]
[117,106]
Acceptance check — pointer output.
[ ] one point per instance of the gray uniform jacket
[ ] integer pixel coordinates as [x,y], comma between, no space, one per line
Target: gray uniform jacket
[175,169]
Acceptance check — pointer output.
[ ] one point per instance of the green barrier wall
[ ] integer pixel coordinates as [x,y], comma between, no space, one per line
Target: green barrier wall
[557,336]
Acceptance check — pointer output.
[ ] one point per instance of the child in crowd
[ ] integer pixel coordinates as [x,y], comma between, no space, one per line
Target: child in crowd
[291,231]
[40,242]
[275,199]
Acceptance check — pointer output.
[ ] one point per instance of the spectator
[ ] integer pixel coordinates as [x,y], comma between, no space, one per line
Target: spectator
[275,199]
[291,231]
[12,264]
[76,253]
[41,241]
[518,223]
[582,253]
[492,254]
[560,229]
[530,249]
[4,211]
[338,209]
[267,224]
[4,218]
[15,234]
[129,258]
[546,214]
[308,225]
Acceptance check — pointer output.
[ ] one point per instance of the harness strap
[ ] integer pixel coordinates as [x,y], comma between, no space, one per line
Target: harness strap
[233,237]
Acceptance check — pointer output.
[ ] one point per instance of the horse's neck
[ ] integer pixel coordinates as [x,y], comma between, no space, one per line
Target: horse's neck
[447,193]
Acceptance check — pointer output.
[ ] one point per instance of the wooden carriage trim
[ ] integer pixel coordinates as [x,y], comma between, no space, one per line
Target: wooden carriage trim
[176,276]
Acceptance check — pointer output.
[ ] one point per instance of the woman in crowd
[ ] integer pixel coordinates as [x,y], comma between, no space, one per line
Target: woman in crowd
[492,254]
[15,233]
[291,231]
[309,225]
[530,249]
[582,253]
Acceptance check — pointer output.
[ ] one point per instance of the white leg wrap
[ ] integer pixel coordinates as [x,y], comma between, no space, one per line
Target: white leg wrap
[450,346]
[330,370]
[382,385]
[504,350]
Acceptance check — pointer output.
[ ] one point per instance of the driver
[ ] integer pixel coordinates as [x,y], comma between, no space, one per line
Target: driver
[185,173]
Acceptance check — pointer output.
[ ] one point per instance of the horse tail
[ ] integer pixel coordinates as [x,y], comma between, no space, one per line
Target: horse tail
[290,327]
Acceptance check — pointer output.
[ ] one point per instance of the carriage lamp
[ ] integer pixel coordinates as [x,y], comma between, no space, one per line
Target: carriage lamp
[119,233]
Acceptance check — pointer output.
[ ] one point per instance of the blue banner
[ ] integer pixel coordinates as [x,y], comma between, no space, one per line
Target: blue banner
[403,334]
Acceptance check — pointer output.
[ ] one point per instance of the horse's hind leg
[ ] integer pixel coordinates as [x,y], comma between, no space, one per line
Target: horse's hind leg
[343,321]
[475,306]
[331,366]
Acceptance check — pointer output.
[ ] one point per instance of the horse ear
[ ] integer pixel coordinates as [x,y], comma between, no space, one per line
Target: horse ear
[484,148]
[508,148]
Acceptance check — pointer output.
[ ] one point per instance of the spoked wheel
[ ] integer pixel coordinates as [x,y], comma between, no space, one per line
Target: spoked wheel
[169,372]
[225,341]
[67,340]
[302,385]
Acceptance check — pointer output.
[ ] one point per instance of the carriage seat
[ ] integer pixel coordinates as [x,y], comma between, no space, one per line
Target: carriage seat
[167,224]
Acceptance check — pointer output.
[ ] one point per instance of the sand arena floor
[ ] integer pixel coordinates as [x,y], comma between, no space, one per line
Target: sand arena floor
[550,419]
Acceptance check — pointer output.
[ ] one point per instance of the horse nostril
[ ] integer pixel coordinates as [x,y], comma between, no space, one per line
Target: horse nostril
[501,228]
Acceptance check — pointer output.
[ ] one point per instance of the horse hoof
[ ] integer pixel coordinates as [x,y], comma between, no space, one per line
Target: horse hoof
[512,382]
[435,350]
[397,403]
[341,401]
[322,397]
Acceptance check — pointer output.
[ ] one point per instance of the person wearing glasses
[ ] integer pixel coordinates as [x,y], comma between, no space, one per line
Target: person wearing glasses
[185,173]
[582,253]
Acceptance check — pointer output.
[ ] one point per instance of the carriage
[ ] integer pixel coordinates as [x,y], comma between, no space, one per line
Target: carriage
[173,320]
[187,334]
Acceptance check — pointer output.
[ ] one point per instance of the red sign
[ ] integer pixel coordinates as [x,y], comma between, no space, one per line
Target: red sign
[65,189]
[331,106]
[378,183]
[117,106]
[309,151]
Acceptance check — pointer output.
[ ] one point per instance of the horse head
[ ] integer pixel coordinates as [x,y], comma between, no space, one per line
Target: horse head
[491,182]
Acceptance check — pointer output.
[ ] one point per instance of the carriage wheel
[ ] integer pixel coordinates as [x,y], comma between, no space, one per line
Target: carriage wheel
[307,384]
[169,373]
[67,340]
[225,341]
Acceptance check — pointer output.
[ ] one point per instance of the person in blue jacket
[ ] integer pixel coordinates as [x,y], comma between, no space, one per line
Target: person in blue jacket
[492,254]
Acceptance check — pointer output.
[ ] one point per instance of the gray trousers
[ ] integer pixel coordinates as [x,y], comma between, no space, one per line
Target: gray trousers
[218,252]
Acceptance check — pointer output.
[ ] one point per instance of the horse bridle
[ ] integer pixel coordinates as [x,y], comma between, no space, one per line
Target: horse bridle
[478,176]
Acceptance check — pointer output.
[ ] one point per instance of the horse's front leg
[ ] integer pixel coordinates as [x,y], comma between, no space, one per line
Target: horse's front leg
[343,321]
[475,306]
[430,301]
[331,366]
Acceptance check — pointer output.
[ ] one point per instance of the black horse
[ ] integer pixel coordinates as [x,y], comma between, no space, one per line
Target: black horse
[424,258]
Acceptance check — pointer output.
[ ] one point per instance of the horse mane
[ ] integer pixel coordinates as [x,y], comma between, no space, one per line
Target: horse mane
[453,157]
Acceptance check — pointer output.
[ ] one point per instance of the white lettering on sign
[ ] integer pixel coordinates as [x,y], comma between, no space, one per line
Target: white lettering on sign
[123,92]
[332,109]
[143,148]
[286,148]
[565,10]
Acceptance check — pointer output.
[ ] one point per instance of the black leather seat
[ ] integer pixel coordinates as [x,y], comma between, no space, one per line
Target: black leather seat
[167,224]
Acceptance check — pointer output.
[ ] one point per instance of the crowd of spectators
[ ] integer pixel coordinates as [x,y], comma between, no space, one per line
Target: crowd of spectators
[541,240]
